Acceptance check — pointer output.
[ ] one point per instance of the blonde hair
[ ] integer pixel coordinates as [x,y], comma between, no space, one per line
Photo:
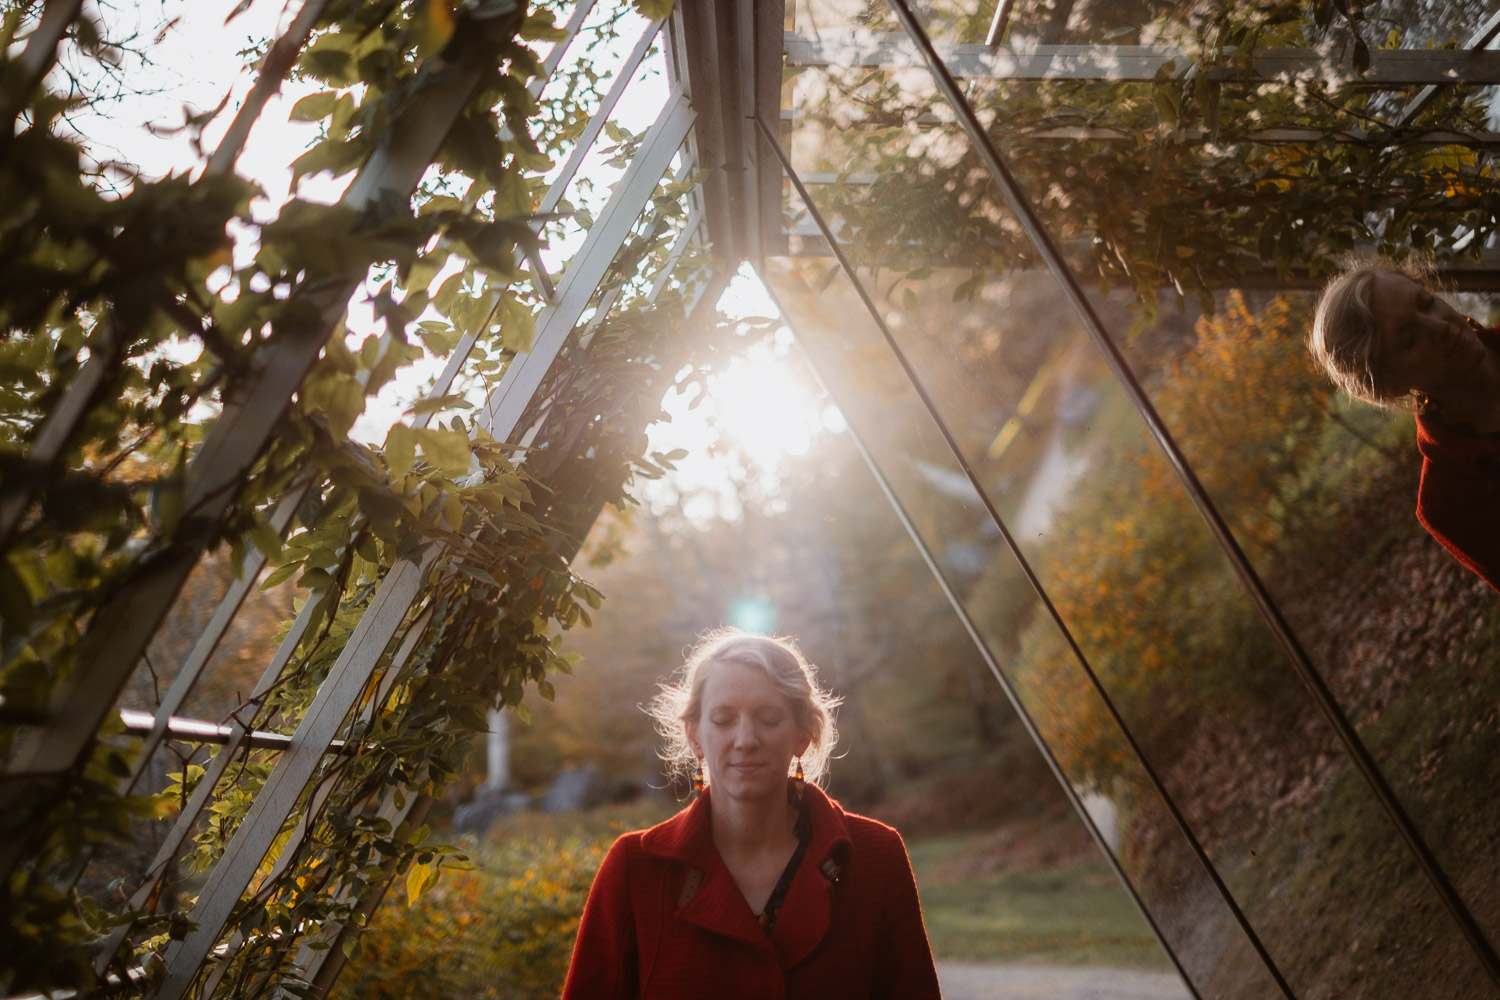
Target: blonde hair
[1344,339]
[681,701]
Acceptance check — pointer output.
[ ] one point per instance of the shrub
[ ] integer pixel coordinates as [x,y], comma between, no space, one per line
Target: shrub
[501,930]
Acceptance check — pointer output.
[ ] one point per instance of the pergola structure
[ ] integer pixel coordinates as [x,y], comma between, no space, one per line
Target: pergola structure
[794,115]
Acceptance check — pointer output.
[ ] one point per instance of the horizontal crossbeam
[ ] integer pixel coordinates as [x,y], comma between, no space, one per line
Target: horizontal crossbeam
[1121,63]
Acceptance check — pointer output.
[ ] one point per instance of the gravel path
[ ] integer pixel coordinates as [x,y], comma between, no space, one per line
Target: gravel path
[1023,982]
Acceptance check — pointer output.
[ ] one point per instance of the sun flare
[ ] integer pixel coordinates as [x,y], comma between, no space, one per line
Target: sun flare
[764,408]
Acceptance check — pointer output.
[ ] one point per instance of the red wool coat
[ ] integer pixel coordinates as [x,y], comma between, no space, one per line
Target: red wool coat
[1459,499]
[665,919]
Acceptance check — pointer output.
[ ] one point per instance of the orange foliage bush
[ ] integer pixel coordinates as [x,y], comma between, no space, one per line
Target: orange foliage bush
[1145,590]
[501,931]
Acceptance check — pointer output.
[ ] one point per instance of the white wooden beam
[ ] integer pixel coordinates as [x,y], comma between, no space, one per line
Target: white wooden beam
[366,647]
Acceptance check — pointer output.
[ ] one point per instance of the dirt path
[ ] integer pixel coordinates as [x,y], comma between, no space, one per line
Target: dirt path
[1024,982]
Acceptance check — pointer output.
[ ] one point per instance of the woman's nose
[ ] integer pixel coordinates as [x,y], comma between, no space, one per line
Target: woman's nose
[745,734]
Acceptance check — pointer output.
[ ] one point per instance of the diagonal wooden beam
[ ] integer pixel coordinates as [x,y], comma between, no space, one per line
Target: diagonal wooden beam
[366,647]
[1480,39]
[124,624]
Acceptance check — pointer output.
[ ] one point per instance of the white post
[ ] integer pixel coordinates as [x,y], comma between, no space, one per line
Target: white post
[497,751]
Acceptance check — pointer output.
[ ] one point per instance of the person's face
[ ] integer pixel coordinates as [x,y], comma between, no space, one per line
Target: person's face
[746,733]
[1425,343]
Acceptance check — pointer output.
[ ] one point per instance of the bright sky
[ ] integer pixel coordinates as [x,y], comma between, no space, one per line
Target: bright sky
[763,410]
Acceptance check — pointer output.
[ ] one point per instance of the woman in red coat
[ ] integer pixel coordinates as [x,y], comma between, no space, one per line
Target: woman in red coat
[1385,338]
[762,887]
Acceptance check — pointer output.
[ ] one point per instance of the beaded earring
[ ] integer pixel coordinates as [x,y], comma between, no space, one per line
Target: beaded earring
[798,784]
[698,778]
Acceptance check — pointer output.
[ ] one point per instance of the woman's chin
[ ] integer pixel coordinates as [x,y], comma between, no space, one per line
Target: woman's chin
[750,786]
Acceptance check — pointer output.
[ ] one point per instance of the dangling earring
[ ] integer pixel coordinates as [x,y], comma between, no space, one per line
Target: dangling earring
[797,783]
[1474,324]
[698,778]
[1422,401]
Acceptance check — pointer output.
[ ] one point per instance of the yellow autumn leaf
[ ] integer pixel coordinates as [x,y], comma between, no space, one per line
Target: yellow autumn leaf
[438,27]
[418,878]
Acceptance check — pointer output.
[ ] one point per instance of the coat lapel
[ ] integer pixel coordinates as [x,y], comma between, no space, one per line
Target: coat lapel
[807,911]
[716,904]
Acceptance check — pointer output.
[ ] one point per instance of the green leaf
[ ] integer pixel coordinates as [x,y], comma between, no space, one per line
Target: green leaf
[343,404]
[448,450]
[518,328]
[481,575]
[280,575]
[400,449]
[654,10]
[447,292]
[313,107]
[437,404]
[331,59]
[332,155]
[15,602]
[1361,55]
[266,539]
[315,579]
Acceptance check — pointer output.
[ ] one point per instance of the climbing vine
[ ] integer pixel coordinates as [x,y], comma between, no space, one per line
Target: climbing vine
[130,305]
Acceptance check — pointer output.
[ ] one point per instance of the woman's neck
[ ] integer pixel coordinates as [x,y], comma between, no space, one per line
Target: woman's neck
[743,828]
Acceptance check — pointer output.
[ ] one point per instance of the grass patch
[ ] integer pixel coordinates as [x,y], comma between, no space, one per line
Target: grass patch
[1077,915]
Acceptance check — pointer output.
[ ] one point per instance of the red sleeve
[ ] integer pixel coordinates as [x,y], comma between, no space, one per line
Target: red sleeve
[604,957]
[903,965]
[1462,515]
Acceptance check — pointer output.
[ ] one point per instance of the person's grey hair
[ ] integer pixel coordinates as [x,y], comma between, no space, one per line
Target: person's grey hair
[681,700]
[1343,340]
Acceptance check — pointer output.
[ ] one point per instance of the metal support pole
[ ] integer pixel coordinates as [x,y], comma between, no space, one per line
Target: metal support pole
[213,633]
[1254,586]
[999,22]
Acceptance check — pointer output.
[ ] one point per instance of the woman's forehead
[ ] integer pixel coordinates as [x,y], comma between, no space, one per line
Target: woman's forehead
[731,682]
[1392,301]
[1390,288]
